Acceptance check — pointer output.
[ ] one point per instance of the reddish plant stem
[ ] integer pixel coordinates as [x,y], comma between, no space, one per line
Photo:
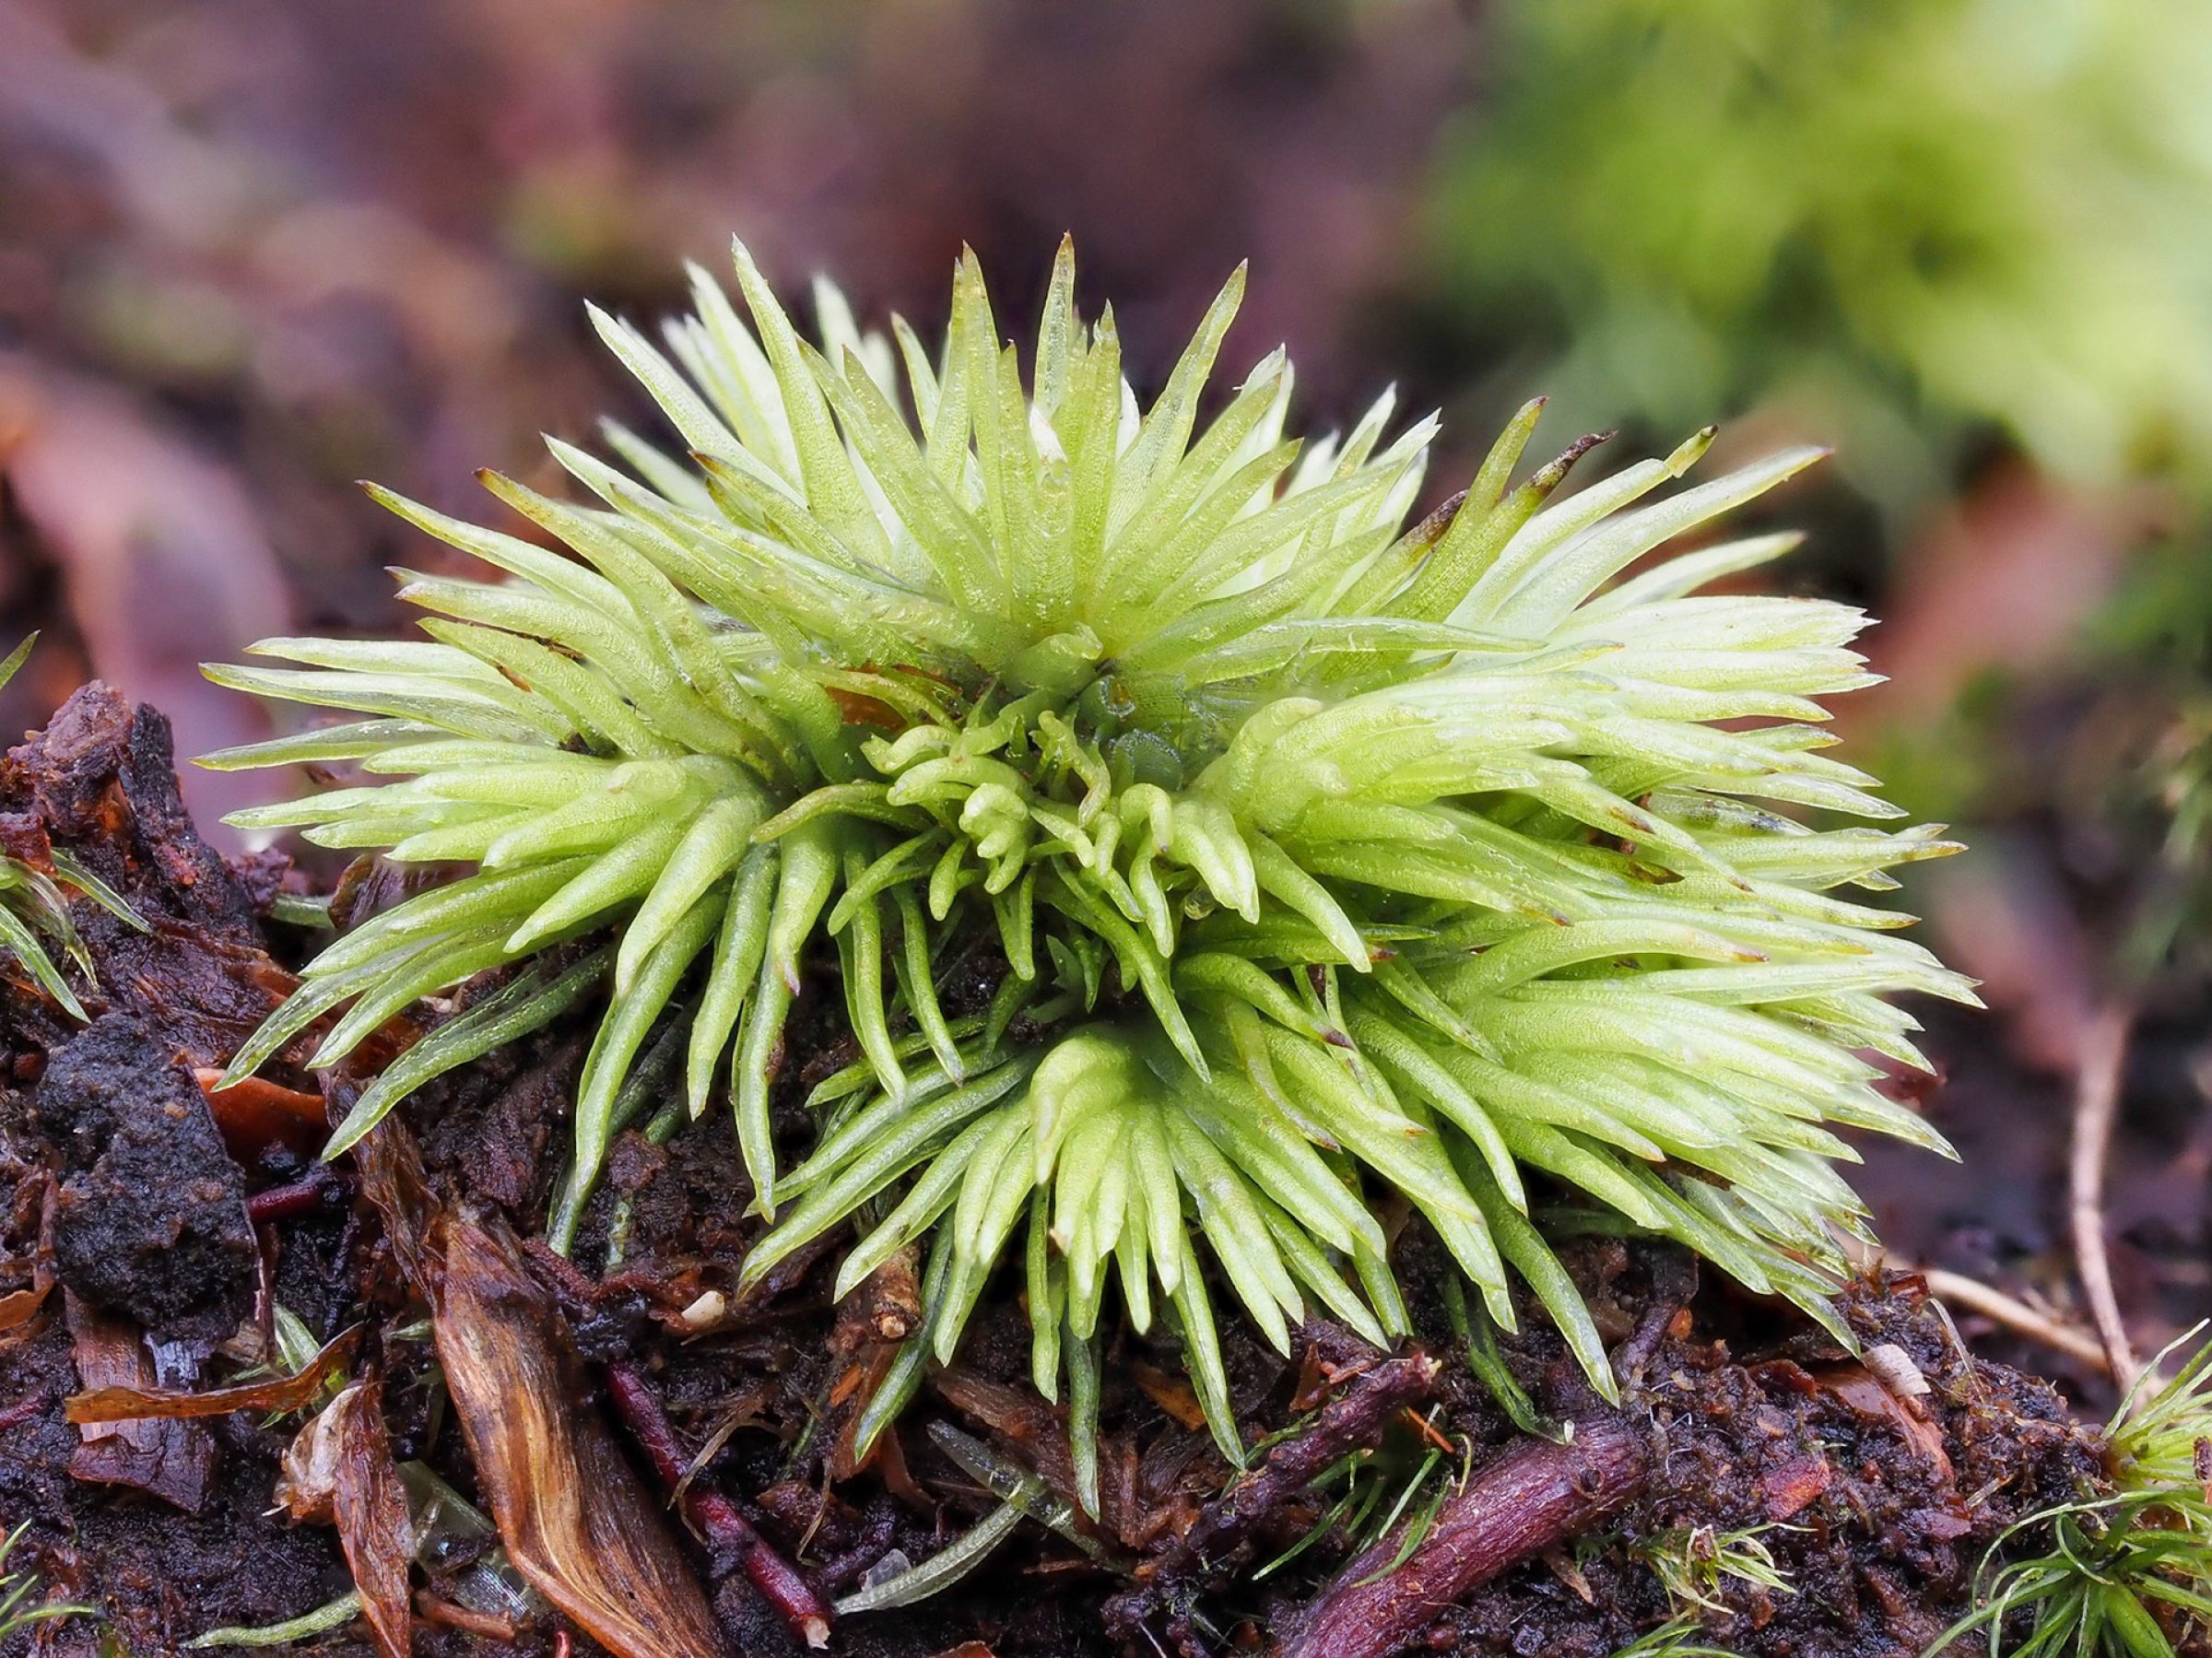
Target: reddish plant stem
[1674,1284]
[725,1530]
[435,1609]
[1354,1418]
[296,1198]
[1536,1496]
[1216,1539]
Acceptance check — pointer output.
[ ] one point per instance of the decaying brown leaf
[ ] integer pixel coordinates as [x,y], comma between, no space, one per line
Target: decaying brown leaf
[1866,1395]
[20,1306]
[130,1402]
[372,1513]
[256,1113]
[1172,1394]
[389,1166]
[172,1459]
[338,1471]
[307,1481]
[575,1518]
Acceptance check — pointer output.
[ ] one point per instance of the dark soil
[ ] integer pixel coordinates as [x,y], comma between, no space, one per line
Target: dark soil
[1877,1512]
[1877,1501]
[152,1218]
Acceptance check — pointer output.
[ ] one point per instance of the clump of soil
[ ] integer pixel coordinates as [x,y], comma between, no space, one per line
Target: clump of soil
[672,1466]
[152,1218]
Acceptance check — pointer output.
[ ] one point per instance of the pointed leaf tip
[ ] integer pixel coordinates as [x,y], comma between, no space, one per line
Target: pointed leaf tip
[1691,450]
[1554,472]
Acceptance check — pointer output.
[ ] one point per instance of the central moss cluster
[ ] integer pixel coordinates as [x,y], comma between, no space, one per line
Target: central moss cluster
[1335,863]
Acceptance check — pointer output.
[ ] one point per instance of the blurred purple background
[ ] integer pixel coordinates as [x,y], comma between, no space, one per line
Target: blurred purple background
[251,251]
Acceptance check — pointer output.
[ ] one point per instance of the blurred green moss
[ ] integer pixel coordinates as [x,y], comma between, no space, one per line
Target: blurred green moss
[1925,220]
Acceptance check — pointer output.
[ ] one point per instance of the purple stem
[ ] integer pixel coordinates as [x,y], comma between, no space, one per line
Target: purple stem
[1536,1496]
[727,1531]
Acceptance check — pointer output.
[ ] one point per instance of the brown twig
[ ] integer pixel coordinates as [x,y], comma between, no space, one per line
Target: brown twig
[1535,1496]
[725,1530]
[1674,1285]
[2096,1106]
[2016,1315]
[436,1609]
[1356,1418]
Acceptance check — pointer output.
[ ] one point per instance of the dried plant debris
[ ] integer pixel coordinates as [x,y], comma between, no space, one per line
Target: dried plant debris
[576,1519]
[34,900]
[347,1477]
[158,1453]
